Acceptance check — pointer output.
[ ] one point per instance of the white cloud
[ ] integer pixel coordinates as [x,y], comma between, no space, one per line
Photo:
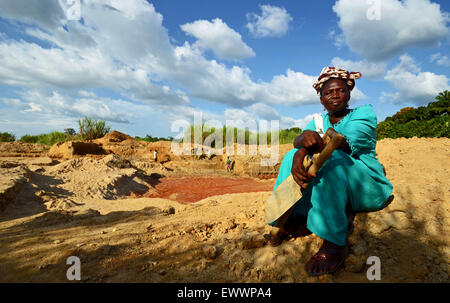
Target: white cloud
[413,85]
[213,81]
[217,36]
[94,106]
[263,111]
[411,23]
[273,22]
[96,53]
[44,13]
[440,60]
[367,69]
[124,48]
[339,38]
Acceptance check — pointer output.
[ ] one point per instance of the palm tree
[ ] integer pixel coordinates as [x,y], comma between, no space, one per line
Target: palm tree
[443,96]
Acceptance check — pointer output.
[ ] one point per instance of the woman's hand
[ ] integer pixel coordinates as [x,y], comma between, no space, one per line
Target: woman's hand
[298,170]
[310,140]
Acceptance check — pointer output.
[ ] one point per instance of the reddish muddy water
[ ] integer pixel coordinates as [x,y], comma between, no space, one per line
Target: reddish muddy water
[193,189]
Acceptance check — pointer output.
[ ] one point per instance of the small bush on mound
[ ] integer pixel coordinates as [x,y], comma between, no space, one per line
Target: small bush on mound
[7,137]
[92,129]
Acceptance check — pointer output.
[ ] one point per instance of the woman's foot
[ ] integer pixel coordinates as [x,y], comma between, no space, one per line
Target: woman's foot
[327,260]
[287,232]
[302,231]
[278,238]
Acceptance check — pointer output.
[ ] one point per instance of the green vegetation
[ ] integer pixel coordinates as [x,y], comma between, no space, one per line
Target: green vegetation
[425,121]
[89,129]
[7,137]
[149,138]
[285,136]
[92,129]
[47,139]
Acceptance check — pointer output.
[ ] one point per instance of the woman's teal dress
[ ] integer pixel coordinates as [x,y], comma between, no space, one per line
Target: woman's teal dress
[357,179]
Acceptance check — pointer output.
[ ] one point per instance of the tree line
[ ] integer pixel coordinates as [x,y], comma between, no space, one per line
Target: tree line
[425,121]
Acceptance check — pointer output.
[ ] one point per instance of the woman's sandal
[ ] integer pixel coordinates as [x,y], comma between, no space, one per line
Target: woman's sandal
[324,256]
[277,239]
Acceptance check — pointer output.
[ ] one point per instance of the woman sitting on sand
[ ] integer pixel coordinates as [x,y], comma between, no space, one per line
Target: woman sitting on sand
[351,180]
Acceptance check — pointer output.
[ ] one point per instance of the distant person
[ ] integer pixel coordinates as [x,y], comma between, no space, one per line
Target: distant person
[228,164]
[208,153]
[351,180]
[155,155]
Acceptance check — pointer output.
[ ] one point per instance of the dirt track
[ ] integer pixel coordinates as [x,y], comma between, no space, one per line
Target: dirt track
[89,207]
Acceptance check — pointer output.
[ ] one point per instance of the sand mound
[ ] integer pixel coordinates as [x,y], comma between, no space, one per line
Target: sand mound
[21,149]
[115,136]
[70,149]
[12,178]
[218,239]
[108,178]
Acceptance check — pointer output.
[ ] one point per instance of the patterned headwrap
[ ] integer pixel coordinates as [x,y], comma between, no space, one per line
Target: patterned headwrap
[339,73]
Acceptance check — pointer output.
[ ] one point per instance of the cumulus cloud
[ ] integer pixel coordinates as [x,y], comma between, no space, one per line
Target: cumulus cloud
[55,102]
[273,22]
[93,54]
[413,85]
[440,60]
[401,24]
[44,13]
[96,53]
[214,81]
[122,47]
[217,36]
[367,69]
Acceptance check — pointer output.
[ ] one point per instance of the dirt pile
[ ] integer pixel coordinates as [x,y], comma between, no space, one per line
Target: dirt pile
[123,145]
[71,149]
[219,239]
[110,178]
[14,176]
[21,149]
[114,137]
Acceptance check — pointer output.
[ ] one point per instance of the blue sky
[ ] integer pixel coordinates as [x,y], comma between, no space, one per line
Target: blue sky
[143,65]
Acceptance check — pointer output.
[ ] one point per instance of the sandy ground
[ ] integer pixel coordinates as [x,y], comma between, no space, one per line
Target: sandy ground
[98,209]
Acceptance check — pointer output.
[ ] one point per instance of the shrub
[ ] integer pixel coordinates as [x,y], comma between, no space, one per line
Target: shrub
[70,131]
[149,138]
[92,129]
[29,139]
[7,137]
[47,139]
[52,138]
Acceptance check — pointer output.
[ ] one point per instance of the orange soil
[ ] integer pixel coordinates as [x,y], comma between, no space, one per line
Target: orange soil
[193,189]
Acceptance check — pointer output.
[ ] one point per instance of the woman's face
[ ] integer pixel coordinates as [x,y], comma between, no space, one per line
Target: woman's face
[335,96]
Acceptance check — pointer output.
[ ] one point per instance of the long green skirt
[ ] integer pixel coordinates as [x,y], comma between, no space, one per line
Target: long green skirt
[341,180]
